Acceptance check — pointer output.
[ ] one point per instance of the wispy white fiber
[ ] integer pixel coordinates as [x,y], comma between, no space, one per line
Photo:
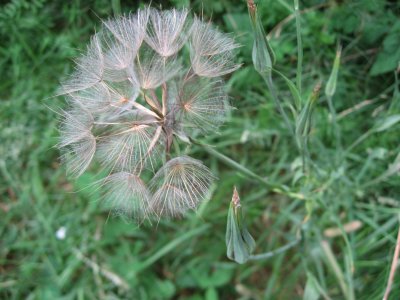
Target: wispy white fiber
[127,195]
[152,70]
[130,146]
[181,184]
[211,51]
[130,30]
[88,70]
[202,104]
[77,142]
[168,31]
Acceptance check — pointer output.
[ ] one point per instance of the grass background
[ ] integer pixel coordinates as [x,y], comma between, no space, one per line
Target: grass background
[106,258]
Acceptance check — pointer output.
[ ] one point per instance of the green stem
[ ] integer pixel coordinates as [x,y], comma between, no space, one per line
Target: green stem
[235,165]
[299,46]
[359,140]
[335,123]
[276,187]
[275,252]
[271,87]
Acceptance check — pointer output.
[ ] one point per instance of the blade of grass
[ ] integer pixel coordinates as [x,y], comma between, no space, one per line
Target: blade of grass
[171,246]
[299,47]
[333,264]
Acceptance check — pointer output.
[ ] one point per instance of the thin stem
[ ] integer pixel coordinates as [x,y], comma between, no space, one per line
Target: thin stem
[359,140]
[305,155]
[299,46]
[275,252]
[271,87]
[230,162]
[334,122]
[276,187]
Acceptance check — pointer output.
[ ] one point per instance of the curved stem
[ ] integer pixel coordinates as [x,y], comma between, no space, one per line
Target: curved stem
[359,140]
[230,162]
[276,187]
[276,251]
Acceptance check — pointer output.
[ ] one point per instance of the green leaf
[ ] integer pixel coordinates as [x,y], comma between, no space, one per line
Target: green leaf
[311,291]
[211,294]
[389,57]
[387,123]
[293,89]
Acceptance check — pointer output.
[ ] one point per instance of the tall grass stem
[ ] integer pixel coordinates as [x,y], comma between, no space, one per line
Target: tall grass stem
[299,47]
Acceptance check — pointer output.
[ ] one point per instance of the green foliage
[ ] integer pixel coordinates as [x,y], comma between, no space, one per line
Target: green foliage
[102,257]
[388,58]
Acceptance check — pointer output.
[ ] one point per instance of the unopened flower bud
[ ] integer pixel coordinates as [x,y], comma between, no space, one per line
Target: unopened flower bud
[263,55]
[240,244]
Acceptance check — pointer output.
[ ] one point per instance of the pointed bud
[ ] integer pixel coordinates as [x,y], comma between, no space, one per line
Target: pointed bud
[330,88]
[263,55]
[304,119]
[240,244]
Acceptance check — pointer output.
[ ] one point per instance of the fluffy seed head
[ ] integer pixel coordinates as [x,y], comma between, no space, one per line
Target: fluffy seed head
[132,94]
[181,184]
[127,195]
[88,70]
[211,51]
[168,31]
[201,104]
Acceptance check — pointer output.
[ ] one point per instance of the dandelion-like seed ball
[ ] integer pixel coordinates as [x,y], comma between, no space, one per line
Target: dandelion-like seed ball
[134,97]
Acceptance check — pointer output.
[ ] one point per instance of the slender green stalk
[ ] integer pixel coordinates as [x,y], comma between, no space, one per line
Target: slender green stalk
[276,187]
[299,46]
[275,252]
[335,123]
[271,87]
[305,155]
[235,165]
[359,140]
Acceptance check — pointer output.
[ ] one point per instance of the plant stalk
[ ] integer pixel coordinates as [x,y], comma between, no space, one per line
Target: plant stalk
[271,87]
[299,47]
[276,251]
